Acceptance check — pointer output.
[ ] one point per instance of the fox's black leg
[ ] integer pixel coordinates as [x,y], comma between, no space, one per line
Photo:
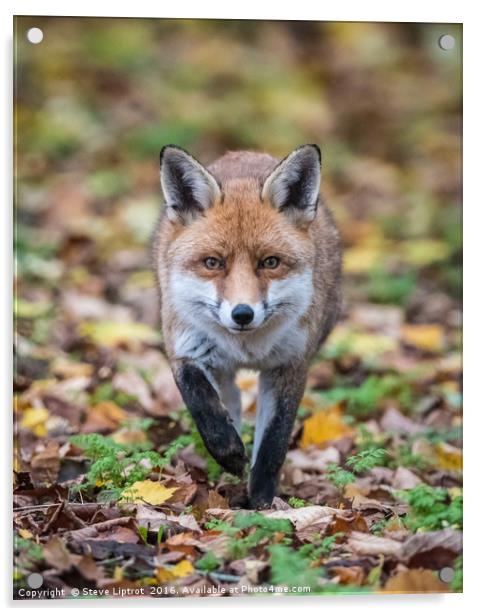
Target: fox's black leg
[280,393]
[211,418]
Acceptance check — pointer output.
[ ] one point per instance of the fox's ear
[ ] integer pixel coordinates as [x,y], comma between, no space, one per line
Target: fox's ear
[188,188]
[293,186]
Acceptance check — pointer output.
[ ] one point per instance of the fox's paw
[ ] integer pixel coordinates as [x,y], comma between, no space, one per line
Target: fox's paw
[229,452]
[261,493]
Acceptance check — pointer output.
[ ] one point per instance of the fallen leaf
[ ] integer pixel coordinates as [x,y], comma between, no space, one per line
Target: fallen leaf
[370,545]
[433,550]
[394,421]
[104,416]
[448,457]
[313,459]
[425,337]
[415,581]
[324,426]
[153,520]
[45,464]
[57,555]
[182,569]
[132,383]
[113,333]
[349,575]
[151,492]
[404,479]
[33,419]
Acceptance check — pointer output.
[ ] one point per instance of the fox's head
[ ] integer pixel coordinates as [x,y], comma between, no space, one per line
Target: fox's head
[240,252]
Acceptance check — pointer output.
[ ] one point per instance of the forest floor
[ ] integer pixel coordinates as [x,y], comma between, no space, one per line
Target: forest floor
[115,490]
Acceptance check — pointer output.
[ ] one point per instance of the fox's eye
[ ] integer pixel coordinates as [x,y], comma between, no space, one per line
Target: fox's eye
[213,263]
[270,262]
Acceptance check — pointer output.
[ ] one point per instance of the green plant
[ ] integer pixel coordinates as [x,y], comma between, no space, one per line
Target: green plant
[259,528]
[338,476]
[364,400]
[457,582]
[386,288]
[367,459]
[296,503]
[29,549]
[105,391]
[292,568]
[209,562]
[314,551]
[116,466]
[248,530]
[432,508]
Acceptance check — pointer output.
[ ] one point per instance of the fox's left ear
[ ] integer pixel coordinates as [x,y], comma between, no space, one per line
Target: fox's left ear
[294,185]
[189,189]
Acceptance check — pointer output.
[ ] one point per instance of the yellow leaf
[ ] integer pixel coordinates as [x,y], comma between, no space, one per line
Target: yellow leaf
[183,568]
[34,419]
[448,457]
[147,491]
[425,337]
[366,345]
[30,310]
[164,575]
[113,333]
[118,574]
[361,259]
[25,534]
[324,426]
[424,252]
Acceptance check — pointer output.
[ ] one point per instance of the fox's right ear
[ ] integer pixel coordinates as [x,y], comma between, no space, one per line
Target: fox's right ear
[189,189]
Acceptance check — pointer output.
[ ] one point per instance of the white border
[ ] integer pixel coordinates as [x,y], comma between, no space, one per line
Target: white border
[408,10]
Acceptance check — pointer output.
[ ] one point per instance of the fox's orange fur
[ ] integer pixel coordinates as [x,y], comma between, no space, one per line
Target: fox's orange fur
[246,234]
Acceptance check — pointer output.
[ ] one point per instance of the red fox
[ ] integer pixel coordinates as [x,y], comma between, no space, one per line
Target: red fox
[248,262]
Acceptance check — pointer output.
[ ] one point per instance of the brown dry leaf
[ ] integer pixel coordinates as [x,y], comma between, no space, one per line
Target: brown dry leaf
[303,516]
[404,479]
[151,492]
[313,459]
[425,337]
[132,383]
[216,500]
[324,426]
[434,549]
[57,555]
[104,416]
[349,575]
[370,545]
[395,421]
[129,436]
[67,369]
[348,521]
[414,581]
[45,464]
[152,519]
[362,502]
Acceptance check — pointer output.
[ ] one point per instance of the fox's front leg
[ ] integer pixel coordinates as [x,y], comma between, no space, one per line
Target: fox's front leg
[210,416]
[280,392]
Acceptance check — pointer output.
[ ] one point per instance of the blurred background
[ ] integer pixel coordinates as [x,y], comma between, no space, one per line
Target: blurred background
[97,99]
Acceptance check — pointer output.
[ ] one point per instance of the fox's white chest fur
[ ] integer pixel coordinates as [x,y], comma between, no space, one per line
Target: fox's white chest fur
[277,342]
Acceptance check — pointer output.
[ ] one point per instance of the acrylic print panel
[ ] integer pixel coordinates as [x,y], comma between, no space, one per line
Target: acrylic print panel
[127,485]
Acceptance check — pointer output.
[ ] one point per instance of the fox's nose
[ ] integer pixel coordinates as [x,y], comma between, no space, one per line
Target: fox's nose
[242,314]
